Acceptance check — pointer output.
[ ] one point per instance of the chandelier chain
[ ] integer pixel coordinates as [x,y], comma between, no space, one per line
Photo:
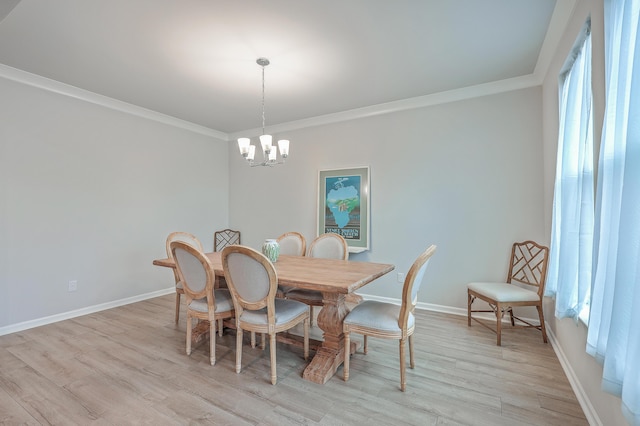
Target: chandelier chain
[263,121]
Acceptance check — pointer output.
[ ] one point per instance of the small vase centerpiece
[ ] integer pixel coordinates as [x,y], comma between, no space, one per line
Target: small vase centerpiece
[271,249]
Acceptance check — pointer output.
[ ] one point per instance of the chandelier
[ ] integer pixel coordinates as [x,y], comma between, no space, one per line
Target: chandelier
[269,152]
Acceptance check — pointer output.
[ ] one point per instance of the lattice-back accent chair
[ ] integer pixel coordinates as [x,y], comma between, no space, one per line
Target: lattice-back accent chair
[186,238]
[221,239]
[528,266]
[203,302]
[388,320]
[326,246]
[253,283]
[226,237]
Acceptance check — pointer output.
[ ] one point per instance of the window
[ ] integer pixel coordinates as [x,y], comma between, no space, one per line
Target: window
[570,261]
[594,262]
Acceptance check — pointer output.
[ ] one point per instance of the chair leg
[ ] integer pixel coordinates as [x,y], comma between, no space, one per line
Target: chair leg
[188,335]
[542,326]
[499,314]
[403,383]
[272,350]
[220,327]
[238,348]
[412,363]
[306,339]
[469,303]
[513,323]
[365,348]
[311,315]
[212,341]
[347,355]
[177,306]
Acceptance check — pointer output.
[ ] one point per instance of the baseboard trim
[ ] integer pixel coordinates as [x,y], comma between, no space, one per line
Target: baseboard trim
[21,326]
[583,399]
[445,309]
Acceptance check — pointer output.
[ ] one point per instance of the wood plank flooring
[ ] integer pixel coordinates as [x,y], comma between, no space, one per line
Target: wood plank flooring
[128,366]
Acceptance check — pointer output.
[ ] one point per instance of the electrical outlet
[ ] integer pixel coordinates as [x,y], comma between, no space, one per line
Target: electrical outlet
[400,277]
[73,285]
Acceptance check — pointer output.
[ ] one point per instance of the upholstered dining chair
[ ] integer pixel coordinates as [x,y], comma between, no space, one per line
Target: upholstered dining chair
[203,301]
[292,244]
[387,320]
[326,246]
[189,239]
[524,287]
[253,283]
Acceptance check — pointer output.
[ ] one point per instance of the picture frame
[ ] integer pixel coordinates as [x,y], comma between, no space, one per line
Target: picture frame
[344,204]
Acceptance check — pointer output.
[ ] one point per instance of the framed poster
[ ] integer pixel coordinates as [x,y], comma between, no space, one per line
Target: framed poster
[343,205]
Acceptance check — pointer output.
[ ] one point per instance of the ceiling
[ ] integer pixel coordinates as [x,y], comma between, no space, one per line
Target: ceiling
[195,59]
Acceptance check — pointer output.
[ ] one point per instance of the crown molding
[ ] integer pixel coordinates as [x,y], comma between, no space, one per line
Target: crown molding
[559,20]
[50,85]
[470,92]
[464,93]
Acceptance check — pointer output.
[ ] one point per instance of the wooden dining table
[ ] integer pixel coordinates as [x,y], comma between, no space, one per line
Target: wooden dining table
[335,279]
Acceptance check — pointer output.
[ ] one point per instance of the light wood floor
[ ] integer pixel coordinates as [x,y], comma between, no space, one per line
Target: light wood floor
[128,366]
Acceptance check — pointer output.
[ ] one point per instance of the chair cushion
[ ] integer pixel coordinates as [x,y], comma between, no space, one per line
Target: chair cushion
[377,315]
[224,302]
[504,292]
[286,310]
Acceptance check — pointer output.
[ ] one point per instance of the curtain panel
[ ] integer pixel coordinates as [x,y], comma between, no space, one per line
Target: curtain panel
[613,337]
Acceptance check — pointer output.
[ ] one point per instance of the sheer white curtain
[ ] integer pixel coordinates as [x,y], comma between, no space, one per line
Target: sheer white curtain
[570,261]
[614,336]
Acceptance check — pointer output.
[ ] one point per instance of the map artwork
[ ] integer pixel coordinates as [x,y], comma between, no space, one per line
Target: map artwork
[342,206]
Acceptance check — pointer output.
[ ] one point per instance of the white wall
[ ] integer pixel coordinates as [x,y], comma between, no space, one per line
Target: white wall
[464,175]
[89,193]
[572,337]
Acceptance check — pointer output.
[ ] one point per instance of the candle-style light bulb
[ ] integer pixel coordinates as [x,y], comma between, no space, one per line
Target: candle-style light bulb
[283,144]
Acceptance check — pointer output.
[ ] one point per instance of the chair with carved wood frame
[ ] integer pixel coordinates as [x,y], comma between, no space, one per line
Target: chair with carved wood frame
[189,239]
[203,301]
[291,244]
[253,282]
[527,268]
[388,320]
[326,246]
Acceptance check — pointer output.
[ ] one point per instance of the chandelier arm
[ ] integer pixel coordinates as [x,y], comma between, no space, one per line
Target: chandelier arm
[266,164]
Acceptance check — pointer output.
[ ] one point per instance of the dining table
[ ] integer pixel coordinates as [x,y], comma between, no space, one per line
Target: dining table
[335,279]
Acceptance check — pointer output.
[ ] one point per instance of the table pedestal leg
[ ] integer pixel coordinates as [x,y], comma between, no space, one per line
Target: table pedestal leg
[330,355]
[199,333]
